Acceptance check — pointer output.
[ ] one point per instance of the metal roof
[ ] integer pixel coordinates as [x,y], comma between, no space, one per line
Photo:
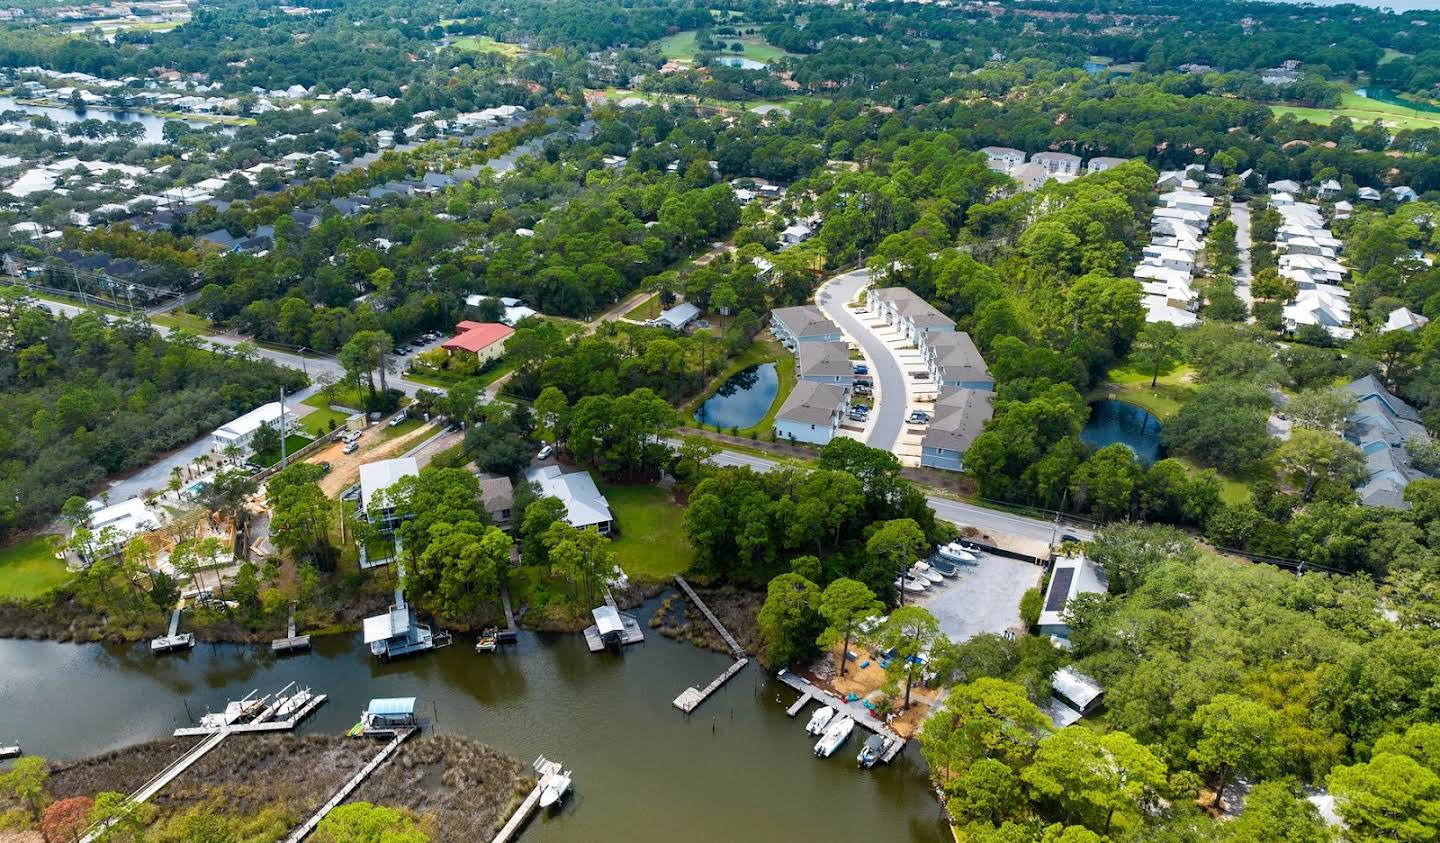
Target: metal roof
[391,706]
[607,620]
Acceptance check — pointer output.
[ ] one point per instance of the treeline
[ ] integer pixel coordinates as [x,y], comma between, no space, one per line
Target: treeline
[86,400]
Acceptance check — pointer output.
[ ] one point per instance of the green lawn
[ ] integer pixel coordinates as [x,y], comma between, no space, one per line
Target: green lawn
[486,44]
[648,309]
[1363,110]
[657,98]
[1132,384]
[183,319]
[318,421]
[1232,491]
[681,47]
[29,569]
[342,396]
[387,433]
[293,443]
[1391,54]
[652,542]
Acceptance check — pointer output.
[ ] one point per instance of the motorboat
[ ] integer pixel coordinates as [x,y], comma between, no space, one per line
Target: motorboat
[819,720]
[910,584]
[941,567]
[293,703]
[875,748]
[921,571]
[555,789]
[487,644]
[969,547]
[955,552]
[835,735]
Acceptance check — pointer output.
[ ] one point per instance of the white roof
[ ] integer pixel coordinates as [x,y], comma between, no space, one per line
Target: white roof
[125,518]
[584,505]
[251,421]
[1404,319]
[1084,577]
[1159,309]
[376,477]
[607,620]
[1076,686]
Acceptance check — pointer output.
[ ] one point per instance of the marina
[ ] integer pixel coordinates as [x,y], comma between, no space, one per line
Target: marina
[282,714]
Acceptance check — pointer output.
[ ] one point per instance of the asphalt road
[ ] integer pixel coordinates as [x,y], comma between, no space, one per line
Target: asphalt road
[888,415]
[956,512]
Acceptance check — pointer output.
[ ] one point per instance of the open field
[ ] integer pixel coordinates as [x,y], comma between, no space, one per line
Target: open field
[486,44]
[1362,110]
[648,309]
[682,47]
[293,443]
[29,568]
[652,542]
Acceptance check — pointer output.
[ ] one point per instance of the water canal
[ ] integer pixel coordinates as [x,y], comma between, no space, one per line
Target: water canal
[743,399]
[738,769]
[1131,426]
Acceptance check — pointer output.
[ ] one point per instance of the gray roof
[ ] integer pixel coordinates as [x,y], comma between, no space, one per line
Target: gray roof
[584,505]
[812,403]
[958,358]
[679,316]
[1055,156]
[804,321]
[497,493]
[960,416]
[825,359]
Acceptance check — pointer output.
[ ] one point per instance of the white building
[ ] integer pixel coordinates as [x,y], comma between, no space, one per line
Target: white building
[1057,163]
[812,413]
[113,525]
[585,506]
[377,478]
[1071,576]
[240,431]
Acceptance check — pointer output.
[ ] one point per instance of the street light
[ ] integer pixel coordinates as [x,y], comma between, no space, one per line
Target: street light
[303,349]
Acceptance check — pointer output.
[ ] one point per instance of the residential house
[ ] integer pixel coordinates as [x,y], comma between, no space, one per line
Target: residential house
[1071,576]
[1404,193]
[825,362]
[111,526]
[805,323]
[1368,194]
[1002,159]
[1031,176]
[796,233]
[376,479]
[1102,163]
[584,505]
[514,310]
[1057,163]
[812,413]
[497,495]
[907,312]
[1328,189]
[1404,319]
[485,340]
[1380,426]
[240,431]
[959,417]
[677,317]
[1073,696]
[955,362]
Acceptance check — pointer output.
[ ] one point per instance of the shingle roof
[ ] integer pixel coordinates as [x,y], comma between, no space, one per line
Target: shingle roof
[804,321]
[960,416]
[812,403]
[824,359]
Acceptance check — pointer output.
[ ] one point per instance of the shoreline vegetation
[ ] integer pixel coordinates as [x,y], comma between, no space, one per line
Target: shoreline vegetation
[221,119]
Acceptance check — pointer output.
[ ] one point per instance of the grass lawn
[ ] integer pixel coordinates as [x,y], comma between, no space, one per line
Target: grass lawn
[760,351]
[387,433]
[486,44]
[1363,110]
[1232,491]
[755,49]
[651,543]
[648,309]
[1391,54]
[1132,384]
[681,45]
[293,443]
[183,319]
[318,421]
[342,396]
[29,569]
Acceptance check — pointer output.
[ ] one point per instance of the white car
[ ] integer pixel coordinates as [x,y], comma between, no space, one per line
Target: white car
[545,452]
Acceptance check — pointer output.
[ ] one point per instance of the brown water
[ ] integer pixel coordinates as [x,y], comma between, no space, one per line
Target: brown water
[738,769]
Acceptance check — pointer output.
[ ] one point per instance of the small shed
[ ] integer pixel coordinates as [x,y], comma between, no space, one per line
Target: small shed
[608,624]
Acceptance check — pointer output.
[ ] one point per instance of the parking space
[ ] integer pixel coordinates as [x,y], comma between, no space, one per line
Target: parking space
[983,597]
[920,391]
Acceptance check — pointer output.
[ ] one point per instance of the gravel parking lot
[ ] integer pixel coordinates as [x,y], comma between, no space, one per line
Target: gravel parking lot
[983,597]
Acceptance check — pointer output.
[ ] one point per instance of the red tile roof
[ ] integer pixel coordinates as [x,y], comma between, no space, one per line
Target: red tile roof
[474,337]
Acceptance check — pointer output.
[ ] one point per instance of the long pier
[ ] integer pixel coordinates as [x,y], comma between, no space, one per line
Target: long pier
[735,649]
[164,777]
[691,697]
[349,787]
[863,717]
[545,768]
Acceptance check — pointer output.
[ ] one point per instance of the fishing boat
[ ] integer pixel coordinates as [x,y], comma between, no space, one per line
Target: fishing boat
[10,751]
[955,552]
[487,644]
[911,585]
[921,571]
[554,789]
[835,735]
[819,720]
[235,710]
[941,567]
[874,749]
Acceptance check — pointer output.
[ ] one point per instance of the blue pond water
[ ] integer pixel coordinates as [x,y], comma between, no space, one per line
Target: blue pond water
[1117,421]
[743,399]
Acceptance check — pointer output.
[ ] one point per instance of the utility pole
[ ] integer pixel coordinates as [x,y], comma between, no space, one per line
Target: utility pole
[303,349]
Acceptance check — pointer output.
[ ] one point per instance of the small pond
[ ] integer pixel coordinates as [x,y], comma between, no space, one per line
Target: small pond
[743,399]
[1131,426]
[741,63]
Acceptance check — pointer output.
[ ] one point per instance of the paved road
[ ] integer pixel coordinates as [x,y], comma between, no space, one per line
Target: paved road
[1240,215]
[956,512]
[889,414]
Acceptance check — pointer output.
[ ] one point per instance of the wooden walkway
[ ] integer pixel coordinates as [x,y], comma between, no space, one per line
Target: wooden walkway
[863,717]
[735,649]
[691,697]
[544,768]
[349,787]
[161,779]
[292,642]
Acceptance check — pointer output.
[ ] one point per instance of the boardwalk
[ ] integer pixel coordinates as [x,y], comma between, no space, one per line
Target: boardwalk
[349,787]
[292,642]
[692,697]
[735,649]
[800,704]
[161,779]
[863,717]
[544,768]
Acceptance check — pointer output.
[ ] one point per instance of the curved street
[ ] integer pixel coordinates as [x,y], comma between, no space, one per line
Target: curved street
[890,401]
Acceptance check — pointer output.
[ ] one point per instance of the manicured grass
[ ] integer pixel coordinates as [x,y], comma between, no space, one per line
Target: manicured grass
[29,568]
[617,94]
[1363,110]
[1391,54]
[486,44]
[293,443]
[183,319]
[387,432]
[755,49]
[681,45]
[317,423]
[1131,384]
[342,397]
[1232,491]
[648,309]
[652,542]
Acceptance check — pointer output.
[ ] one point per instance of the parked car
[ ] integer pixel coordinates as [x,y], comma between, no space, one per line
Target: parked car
[856,415]
[865,382]
[920,376]
[862,389]
[401,350]
[545,452]
[919,417]
[350,447]
[861,369]
[325,468]
[398,419]
[418,341]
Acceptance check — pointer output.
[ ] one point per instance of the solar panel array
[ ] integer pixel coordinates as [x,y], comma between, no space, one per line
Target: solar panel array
[1059,589]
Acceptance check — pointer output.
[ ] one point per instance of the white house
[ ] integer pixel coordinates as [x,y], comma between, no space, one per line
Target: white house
[908,312]
[1404,319]
[1057,163]
[677,317]
[1102,163]
[1002,159]
[584,505]
[378,477]
[812,413]
[111,526]
[240,431]
[805,323]
[1070,577]
[796,233]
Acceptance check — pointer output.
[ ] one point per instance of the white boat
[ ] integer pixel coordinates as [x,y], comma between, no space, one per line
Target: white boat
[921,571]
[10,751]
[834,737]
[955,552]
[941,567]
[874,749]
[554,789]
[908,584]
[819,720]
[292,704]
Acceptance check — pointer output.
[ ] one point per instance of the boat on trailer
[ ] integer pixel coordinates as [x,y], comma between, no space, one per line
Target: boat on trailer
[941,567]
[955,552]
[921,571]
[910,584]
[819,720]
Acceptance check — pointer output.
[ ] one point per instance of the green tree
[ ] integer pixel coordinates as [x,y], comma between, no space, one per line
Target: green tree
[1390,797]
[1322,409]
[1275,813]
[1157,347]
[26,782]
[363,822]
[986,718]
[265,440]
[844,605]
[986,791]
[896,543]
[910,632]
[790,619]
[1310,456]
[1094,776]
[1129,552]
[1237,737]
[1106,482]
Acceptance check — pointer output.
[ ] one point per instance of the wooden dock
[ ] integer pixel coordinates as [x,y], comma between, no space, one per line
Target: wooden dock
[735,649]
[265,726]
[544,769]
[510,634]
[175,640]
[349,787]
[161,779]
[291,643]
[632,634]
[691,697]
[863,717]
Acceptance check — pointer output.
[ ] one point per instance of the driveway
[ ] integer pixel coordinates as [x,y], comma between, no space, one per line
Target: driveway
[889,411]
[982,597]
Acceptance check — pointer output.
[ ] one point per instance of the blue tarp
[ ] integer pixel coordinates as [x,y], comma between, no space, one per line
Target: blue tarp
[392,707]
